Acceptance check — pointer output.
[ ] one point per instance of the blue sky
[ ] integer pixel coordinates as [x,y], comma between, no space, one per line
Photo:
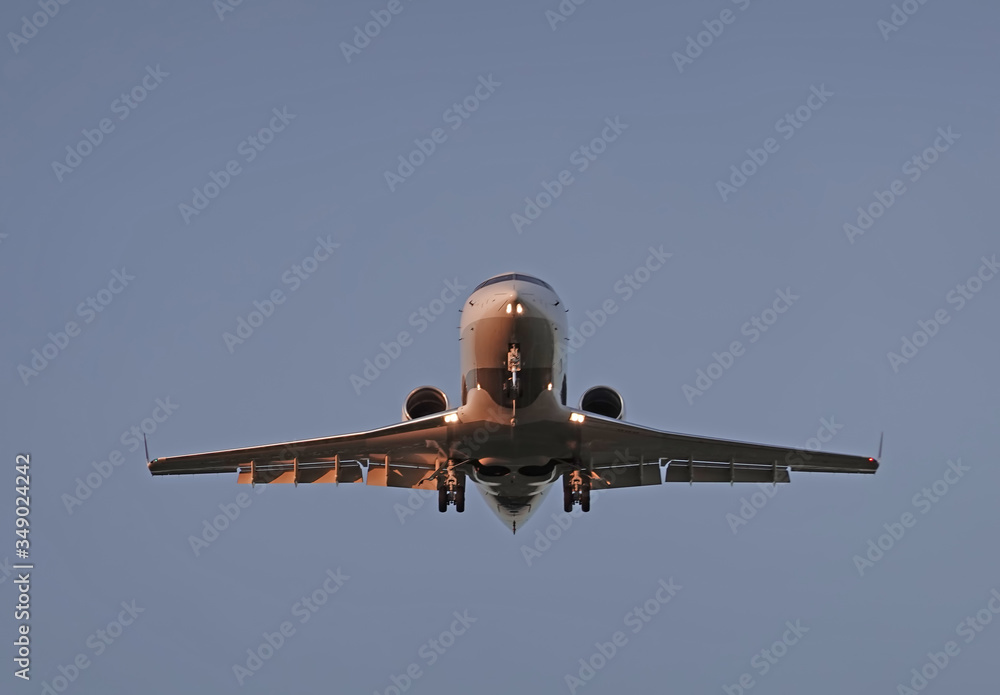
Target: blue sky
[822,107]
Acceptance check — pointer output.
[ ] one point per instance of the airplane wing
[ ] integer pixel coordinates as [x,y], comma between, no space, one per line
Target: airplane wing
[406,453]
[624,455]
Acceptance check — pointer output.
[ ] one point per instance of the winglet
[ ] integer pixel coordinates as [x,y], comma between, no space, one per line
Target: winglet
[880,438]
[146,447]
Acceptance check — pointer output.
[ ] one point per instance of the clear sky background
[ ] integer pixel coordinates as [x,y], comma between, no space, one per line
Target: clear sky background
[64,235]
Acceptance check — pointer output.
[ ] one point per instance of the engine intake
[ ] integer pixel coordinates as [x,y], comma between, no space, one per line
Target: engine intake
[424,400]
[603,400]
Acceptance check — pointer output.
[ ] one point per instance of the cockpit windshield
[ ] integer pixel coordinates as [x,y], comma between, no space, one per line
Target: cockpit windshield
[514,276]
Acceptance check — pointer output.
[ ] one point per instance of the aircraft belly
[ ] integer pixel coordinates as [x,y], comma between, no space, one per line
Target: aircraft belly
[513,503]
[536,441]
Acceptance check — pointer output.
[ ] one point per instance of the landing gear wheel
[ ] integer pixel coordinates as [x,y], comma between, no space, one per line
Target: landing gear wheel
[452,491]
[576,488]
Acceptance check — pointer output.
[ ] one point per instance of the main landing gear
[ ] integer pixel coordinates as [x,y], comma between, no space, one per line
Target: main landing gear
[576,489]
[452,491]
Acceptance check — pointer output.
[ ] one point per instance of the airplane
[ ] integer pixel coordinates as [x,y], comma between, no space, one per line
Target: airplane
[513,435]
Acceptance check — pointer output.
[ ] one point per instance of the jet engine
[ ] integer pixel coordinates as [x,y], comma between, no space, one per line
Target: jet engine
[424,400]
[603,400]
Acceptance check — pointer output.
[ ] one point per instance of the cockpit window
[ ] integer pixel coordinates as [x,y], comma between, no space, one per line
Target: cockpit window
[514,276]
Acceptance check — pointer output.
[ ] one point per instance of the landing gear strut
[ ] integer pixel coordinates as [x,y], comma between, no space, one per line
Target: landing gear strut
[576,489]
[512,385]
[452,491]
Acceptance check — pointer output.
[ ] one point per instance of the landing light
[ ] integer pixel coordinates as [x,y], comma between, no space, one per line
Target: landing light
[520,309]
[508,307]
[451,417]
[576,417]
[550,386]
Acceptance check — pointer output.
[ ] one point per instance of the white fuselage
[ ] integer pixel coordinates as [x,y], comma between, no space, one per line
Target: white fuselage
[513,363]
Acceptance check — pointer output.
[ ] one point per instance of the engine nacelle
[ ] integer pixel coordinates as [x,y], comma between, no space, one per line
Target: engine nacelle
[424,400]
[603,400]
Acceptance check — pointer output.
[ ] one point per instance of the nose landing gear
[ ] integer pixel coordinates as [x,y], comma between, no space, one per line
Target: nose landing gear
[576,489]
[512,386]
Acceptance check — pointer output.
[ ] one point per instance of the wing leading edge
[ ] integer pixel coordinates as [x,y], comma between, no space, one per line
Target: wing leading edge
[621,452]
[405,453]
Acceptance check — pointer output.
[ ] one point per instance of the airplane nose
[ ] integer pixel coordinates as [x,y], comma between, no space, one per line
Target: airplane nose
[515,305]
